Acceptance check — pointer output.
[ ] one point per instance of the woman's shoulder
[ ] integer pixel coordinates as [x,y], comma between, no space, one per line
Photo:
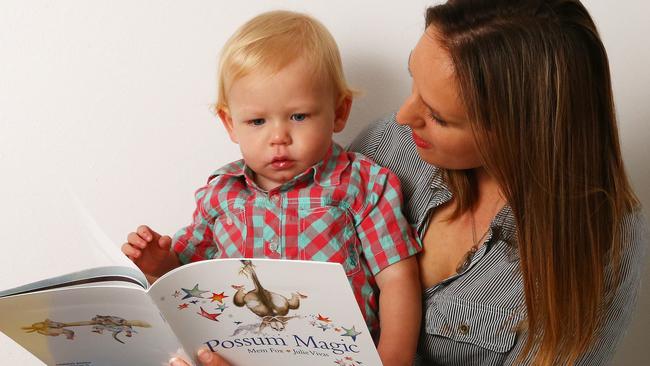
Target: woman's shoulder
[391,145]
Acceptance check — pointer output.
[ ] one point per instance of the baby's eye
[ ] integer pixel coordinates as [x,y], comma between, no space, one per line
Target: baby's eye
[256,121]
[299,117]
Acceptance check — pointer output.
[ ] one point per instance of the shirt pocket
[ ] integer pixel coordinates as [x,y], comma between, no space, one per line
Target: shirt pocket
[327,234]
[229,232]
[488,327]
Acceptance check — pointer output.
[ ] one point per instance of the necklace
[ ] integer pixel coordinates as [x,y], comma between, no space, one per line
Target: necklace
[467,258]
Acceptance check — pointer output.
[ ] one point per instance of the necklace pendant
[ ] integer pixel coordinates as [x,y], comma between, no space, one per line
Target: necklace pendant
[462,267]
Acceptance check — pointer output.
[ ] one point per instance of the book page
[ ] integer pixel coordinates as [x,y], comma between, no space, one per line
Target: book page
[96,325]
[267,312]
[62,243]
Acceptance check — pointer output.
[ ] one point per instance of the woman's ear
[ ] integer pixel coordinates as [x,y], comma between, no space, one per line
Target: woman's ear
[342,113]
[226,119]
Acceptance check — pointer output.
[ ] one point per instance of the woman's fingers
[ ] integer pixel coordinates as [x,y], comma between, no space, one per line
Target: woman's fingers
[206,358]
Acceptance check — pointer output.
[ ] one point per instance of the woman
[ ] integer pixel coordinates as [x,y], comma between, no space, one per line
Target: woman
[509,158]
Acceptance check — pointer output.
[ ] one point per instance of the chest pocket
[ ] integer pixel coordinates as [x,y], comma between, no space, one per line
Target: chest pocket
[491,328]
[229,231]
[327,234]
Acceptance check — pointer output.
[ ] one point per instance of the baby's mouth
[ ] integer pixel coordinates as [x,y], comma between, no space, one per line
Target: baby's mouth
[282,162]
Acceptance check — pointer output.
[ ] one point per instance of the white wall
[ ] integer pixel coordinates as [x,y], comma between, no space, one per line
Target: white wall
[111,99]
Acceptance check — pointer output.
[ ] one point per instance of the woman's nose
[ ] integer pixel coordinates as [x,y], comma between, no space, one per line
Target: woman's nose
[408,113]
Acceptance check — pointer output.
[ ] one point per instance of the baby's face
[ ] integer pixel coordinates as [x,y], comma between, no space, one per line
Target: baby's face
[283,122]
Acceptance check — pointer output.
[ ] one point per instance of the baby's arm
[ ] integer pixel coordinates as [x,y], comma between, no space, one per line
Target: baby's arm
[400,308]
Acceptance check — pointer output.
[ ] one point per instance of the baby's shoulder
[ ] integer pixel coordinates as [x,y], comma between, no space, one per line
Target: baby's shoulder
[366,169]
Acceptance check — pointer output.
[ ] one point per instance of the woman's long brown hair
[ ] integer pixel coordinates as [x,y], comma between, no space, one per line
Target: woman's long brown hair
[535,80]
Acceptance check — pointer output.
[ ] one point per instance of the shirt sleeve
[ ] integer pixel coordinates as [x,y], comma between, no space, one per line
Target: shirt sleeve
[195,242]
[385,235]
[619,312]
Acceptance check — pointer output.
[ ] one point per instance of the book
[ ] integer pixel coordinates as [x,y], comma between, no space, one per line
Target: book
[251,311]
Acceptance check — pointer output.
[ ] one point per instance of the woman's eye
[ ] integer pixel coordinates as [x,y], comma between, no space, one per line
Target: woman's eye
[298,117]
[437,120]
[256,121]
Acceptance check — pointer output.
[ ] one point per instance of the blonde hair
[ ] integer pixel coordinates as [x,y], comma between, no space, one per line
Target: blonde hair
[271,41]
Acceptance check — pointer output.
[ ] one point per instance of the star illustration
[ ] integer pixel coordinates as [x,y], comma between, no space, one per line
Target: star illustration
[221,307]
[352,333]
[195,292]
[182,306]
[194,301]
[207,315]
[237,322]
[218,297]
[176,294]
[324,319]
[324,327]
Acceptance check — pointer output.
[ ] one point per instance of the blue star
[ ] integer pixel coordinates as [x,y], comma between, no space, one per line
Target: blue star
[352,333]
[195,292]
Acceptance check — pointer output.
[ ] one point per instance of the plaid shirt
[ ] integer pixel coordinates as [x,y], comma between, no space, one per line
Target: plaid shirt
[345,209]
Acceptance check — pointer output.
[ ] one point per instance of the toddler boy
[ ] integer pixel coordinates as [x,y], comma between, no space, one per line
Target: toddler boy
[296,194]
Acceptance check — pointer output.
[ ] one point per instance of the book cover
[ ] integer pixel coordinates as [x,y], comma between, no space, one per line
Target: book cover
[251,311]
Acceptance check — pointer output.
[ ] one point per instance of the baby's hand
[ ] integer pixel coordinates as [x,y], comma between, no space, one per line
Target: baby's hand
[150,252]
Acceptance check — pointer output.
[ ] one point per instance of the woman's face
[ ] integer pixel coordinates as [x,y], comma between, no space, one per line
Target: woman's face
[434,111]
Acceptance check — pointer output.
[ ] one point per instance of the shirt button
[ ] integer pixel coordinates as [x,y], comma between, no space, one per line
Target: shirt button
[228,221]
[275,198]
[273,245]
[463,329]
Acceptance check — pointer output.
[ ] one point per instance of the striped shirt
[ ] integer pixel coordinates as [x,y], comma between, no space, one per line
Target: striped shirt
[472,317]
[345,209]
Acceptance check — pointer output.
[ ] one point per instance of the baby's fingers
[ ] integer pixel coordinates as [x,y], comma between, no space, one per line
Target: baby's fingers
[130,251]
[136,240]
[146,233]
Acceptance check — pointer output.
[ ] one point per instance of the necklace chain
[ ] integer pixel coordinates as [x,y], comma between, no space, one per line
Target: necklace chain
[467,258]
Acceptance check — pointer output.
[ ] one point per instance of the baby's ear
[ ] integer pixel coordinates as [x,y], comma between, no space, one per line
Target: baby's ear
[226,119]
[342,113]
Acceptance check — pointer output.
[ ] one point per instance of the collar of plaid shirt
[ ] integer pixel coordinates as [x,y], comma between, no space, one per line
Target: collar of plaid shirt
[326,173]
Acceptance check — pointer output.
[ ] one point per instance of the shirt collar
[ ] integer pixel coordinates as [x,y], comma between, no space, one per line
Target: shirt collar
[325,173]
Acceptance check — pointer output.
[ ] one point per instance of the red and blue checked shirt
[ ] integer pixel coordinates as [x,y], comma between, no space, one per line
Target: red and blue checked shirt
[345,209]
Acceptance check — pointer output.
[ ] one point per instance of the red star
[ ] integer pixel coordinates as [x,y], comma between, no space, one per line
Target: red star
[205,314]
[324,319]
[182,306]
[218,297]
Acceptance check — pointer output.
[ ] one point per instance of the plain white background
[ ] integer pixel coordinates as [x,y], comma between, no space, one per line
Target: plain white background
[111,99]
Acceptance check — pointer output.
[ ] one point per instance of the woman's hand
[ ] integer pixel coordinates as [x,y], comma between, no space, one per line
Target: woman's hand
[206,358]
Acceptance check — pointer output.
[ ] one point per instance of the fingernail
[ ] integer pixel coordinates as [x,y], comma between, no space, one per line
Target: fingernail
[205,355]
[175,362]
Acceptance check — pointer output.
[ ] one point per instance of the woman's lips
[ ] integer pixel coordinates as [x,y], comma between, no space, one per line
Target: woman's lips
[419,142]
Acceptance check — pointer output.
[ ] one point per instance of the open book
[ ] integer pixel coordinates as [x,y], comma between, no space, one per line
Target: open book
[252,311]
